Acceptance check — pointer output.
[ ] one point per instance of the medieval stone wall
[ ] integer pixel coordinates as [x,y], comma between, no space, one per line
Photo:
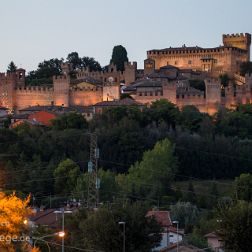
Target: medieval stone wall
[32,96]
[85,97]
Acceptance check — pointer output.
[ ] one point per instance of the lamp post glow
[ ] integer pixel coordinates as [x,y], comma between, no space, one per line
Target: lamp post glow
[62,232]
[124,236]
[177,223]
[42,239]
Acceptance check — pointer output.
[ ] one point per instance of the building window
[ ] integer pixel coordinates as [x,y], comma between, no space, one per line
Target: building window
[175,62]
[183,96]
[189,62]
[145,93]
[156,93]
[140,94]
[150,93]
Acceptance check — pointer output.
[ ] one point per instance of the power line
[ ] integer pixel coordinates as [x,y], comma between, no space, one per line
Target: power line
[70,247]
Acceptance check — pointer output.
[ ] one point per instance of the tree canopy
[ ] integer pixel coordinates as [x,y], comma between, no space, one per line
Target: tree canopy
[11,67]
[235,225]
[119,57]
[87,228]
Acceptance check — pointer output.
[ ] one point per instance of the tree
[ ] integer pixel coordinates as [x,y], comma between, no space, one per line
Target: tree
[185,213]
[109,188]
[153,175]
[190,118]
[224,79]
[91,63]
[243,187]
[13,213]
[235,227]
[11,67]
[163,110]
[66,175]
[99,230]
[75,60]
[198,84]
[119,57]
[191,196]
[69,121]
[246,67]
[45,72]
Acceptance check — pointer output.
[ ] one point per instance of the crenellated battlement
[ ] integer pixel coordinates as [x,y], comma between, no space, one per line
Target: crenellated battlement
[34,89]
[237,35]
[5,77]
[60,78]
[130,64]
[87,89]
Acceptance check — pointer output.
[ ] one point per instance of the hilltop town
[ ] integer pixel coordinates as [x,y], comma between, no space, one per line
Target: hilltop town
[168,73]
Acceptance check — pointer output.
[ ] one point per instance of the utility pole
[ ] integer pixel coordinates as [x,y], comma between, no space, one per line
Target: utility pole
[93,180]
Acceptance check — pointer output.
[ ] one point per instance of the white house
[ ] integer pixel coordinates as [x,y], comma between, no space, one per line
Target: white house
[170,235]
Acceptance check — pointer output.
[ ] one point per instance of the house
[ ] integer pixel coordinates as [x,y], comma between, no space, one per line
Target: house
[49,218]
[215,242]
[39,118]
[170,234]
[86,112]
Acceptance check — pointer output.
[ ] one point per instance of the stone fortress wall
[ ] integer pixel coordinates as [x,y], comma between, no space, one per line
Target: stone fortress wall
[210,62]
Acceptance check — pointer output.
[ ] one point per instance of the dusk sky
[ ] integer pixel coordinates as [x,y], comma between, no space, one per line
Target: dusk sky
[34,30]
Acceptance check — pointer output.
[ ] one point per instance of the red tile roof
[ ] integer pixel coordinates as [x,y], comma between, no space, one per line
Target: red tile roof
[162,217]
[42,117]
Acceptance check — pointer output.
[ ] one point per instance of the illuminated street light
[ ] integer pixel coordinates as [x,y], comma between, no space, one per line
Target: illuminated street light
[124,240]
[61,234]
[63,212]
[176,222]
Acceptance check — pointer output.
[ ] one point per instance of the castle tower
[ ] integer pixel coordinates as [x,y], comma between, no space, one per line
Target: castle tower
[20,80]
[149,66]
[130,72]
[66,68]
[242,41]
[61,85]
[213,95]
[170,91]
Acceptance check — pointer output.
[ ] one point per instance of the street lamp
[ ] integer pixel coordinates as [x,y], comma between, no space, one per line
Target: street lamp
[177,223]
[62,233]
[45,236]
[124,238]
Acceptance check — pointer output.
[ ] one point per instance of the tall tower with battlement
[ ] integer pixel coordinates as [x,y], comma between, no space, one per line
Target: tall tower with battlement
[239,40]
[130,72]
[20,77]
[61,86]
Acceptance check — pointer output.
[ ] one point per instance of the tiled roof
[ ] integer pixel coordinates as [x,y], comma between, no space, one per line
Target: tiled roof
[212,235]
[143,83]
[123,102]
[88,80]
[58,109]
[45,218]
[193,48]
[42,117]
[162,217]
[189,91]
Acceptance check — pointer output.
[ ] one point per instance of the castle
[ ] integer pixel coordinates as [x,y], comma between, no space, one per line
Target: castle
[166,75]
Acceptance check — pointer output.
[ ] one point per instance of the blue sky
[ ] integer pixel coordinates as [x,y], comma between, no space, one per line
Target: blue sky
[34,30]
